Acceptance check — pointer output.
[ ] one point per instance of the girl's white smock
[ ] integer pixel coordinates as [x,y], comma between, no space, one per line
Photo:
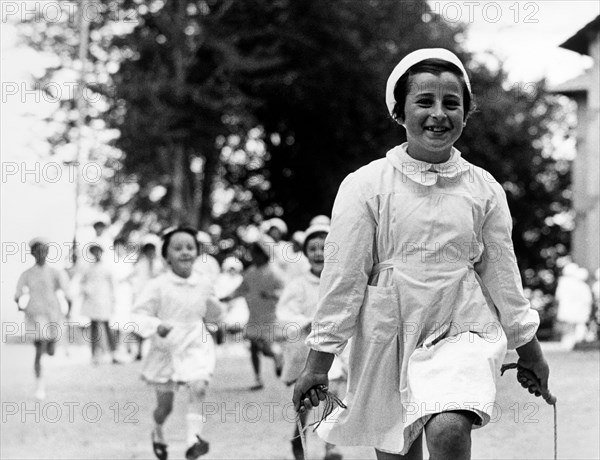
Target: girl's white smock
[295,312]
[425,279]
[187,353]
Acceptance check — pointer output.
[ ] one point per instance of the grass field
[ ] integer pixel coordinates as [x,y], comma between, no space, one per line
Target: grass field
[104,412]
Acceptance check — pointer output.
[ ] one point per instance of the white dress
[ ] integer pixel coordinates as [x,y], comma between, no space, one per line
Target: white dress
[295,312]
[98,289]
[417,245]
[43,315]
[187,353]
[575,300]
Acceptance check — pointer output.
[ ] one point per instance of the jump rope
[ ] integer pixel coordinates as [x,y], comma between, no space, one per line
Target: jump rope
[523,373]
[332,400]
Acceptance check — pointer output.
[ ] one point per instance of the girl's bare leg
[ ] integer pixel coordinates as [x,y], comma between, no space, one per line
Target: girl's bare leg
[196,420]
[414,453]
[448,435]
[164,406]
[37,363]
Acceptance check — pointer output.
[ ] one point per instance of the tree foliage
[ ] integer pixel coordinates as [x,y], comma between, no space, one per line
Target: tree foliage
[268,104]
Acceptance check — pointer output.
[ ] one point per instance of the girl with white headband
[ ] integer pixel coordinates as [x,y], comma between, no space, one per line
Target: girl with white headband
[425,280]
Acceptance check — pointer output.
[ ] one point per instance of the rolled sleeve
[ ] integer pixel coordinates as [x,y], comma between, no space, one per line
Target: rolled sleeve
[348,264]
[500,275]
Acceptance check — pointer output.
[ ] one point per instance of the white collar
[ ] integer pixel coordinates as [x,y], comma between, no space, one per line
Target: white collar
[193,279]
[425,173]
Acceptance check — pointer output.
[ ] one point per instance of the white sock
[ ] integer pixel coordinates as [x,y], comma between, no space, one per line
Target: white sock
[195,424]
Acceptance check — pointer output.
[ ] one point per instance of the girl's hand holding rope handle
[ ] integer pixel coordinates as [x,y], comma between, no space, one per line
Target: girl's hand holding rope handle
[311,387]
[533,370]
[532,374]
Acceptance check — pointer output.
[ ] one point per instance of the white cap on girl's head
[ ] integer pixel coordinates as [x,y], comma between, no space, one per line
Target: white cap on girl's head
[413,58]
[313,229]
[320,219]
[298,237]
[278,224]
[38,240]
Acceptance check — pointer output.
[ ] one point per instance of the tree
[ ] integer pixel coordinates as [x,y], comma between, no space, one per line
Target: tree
[270,103]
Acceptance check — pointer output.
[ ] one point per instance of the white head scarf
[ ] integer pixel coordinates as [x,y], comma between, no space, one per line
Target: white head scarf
[413,58]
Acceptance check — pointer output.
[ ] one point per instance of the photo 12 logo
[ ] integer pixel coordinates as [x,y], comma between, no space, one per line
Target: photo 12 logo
[60,12]
[69,411]
[490,12]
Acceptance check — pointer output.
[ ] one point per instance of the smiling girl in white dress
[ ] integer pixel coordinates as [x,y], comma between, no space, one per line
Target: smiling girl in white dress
[425,281]
[172,310]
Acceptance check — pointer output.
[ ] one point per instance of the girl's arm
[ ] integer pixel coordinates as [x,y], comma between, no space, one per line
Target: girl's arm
[348,264]
[145,310]
[241,291]
[342,287]
[21,283]
[215,310]
[500,275]
[62,282]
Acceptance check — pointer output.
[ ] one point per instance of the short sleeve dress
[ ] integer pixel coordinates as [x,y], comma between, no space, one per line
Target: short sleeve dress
[43,315]
[425,280]
[187,353]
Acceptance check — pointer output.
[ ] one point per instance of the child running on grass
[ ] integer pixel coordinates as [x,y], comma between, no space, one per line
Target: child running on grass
[172,310]
[36,296]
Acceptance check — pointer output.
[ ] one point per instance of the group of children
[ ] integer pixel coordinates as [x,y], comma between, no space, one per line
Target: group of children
[178,312]
[410,328]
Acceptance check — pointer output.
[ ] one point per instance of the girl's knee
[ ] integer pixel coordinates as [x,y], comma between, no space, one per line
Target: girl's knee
[198,389]
[449,434]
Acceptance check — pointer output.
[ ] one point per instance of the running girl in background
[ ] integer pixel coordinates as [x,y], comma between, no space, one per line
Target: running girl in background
[295,312]
[172,310]
[36,296]
[98,304]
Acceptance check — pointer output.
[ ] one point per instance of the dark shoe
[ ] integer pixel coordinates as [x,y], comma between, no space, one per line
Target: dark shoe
[160,449]
[278,364]
[297,449]
[258,386]
[199,448]
[333,456]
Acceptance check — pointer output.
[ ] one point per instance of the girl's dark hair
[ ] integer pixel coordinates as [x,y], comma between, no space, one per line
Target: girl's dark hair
[312,236]
[166,238]
[147,248]
[435,67]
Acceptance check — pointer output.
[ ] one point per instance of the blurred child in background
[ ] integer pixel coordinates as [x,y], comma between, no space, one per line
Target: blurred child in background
[261,288]
[36,296]
[295,310]
[98,304]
